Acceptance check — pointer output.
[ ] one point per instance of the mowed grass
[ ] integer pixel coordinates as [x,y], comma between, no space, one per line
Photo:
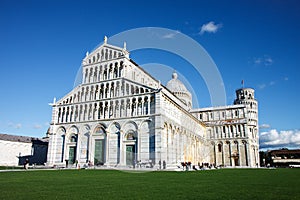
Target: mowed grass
[110,184]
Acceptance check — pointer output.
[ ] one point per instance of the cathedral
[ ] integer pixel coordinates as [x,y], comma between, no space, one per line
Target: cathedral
[120,116]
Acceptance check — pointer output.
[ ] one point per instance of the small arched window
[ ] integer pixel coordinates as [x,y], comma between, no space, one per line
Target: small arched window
[130,136]
[73,138]
[219,147]
[99,130]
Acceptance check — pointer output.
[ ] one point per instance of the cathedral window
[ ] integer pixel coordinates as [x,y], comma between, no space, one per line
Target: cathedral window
[130,136]
[106,54]
[99,130]
[73,138]
[219,147]
[110,54]
[102,54]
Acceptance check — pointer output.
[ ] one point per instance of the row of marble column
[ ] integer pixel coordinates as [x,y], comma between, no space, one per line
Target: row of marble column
[228,131]
[106,90]
[108,71]
[180,147]
[231,114]
[225,152]
[126,107]
[105,54]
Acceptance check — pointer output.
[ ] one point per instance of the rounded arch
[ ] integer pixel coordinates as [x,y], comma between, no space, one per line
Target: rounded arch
[228,142]
[100,129]
[220,146]
[61,130]
[166,125]
[170,126]
[130,135]
[129,125]
[73,130]
[146,122]
[114,127]
[86,127]
[72,134]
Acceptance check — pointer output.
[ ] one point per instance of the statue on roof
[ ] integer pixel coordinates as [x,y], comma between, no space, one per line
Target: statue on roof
[124,46]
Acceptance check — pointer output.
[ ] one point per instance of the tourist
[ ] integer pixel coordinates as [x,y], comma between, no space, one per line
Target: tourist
[159,163]
[26,163]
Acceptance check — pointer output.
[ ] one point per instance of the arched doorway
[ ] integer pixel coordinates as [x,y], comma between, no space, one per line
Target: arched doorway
[99,140]
[72,149]
[71,145]
[131,148]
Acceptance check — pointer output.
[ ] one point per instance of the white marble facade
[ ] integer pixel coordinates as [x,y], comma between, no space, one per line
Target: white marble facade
[120,116]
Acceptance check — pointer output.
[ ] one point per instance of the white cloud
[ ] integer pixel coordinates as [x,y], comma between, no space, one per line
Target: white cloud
[13,125]
[210,27]
[170,35]
[262,86]
[286,78]
[274,139]
[264,60]
[264,126]
[37,126]
[268,61]
[18,126]
[272,83]
[257,61]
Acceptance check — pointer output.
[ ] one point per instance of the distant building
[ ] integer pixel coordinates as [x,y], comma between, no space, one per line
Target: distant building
[120,116]
[283,158]
[14,150]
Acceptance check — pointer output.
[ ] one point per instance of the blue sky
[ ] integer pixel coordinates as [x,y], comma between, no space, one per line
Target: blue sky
[42,44]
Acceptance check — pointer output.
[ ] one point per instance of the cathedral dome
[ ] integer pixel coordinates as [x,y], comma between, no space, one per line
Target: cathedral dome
[175,85]
[179,90]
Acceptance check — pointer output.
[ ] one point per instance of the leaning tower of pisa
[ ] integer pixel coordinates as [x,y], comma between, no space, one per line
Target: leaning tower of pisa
[246,97]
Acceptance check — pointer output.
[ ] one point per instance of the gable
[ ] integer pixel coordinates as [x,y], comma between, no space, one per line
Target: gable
[105,52]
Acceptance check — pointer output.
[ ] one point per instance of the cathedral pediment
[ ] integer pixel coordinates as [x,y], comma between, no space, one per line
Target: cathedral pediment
[105,52]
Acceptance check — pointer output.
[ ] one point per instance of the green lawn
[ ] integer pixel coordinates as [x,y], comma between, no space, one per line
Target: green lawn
[108,184]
